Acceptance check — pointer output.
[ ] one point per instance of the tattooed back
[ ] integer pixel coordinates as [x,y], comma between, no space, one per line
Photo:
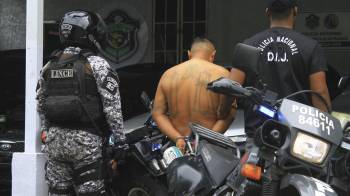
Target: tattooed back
[186,94]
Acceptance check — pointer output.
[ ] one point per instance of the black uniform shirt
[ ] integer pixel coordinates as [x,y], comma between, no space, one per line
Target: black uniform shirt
[287,60]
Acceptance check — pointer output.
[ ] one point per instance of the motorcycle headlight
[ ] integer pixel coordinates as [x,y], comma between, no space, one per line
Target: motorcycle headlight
[309,148]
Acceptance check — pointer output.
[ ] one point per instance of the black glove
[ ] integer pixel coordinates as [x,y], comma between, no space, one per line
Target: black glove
[117,149]
[120,151]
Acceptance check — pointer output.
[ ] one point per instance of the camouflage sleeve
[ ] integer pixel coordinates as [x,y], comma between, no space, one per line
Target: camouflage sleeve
[108,87]
[40,99]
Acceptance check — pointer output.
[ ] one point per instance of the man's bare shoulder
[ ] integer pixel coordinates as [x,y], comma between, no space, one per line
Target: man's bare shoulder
[169,74]
[221,70]
[216,69]
[171,71]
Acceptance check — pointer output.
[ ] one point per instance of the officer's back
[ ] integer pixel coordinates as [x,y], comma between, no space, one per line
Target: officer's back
[289,61]
[79,104]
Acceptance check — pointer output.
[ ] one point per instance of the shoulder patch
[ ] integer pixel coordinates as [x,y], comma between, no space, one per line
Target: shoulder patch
[110,82]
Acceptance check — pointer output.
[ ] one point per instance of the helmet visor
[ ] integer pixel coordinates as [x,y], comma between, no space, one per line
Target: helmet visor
[80,19]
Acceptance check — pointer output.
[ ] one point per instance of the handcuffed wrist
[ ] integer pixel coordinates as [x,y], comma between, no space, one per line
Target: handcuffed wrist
[179,137]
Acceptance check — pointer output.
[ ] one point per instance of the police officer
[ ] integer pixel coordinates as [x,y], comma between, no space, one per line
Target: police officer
[289,61]
[78,101]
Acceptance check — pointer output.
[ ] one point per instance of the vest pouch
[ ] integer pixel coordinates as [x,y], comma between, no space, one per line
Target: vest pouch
[63,110]
[93,107]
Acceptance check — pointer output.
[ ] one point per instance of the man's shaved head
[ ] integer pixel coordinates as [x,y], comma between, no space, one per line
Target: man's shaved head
[202,44]
[202,48]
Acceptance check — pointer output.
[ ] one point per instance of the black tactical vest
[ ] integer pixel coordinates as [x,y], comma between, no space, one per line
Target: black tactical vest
[72,99]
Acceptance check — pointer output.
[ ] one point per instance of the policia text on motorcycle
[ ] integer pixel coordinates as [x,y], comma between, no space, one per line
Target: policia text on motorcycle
[79,104]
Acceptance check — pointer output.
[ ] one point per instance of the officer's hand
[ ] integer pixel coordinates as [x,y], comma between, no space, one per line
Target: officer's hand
[114,164]
[43,136]
[118,147]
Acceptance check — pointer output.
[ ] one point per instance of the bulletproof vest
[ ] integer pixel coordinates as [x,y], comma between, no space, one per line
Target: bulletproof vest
[71,96]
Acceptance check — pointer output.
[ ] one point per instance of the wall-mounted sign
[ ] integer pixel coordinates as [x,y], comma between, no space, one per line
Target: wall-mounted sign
[127,34]
[331,30]
[122,41]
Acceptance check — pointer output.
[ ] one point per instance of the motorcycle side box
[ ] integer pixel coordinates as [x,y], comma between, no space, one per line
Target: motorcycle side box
[218,161]
[187,176]
[199,175]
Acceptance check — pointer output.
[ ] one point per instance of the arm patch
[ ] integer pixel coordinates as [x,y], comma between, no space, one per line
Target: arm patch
[110,83]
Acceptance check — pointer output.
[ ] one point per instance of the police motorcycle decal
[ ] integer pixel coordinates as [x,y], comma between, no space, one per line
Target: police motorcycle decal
[307,186]
[322,188]
[310,119]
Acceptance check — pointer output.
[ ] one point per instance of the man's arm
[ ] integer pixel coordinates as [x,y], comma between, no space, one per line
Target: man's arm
[318,83]
[159,113]
[108,86]
[317,77]
[222,124]
[227,108]
[237,75]
[226,102]
[40,107]
[44,125]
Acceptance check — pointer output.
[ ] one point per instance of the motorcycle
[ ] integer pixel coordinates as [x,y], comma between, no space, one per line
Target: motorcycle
[338,175]
[291,149]
[142,171]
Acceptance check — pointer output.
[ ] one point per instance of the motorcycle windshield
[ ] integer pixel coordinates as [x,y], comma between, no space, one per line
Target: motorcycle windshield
[310,120]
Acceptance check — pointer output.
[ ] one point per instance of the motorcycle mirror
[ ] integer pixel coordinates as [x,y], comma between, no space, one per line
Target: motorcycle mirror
[246,57]
[146,101]
[228,87]
[344,82]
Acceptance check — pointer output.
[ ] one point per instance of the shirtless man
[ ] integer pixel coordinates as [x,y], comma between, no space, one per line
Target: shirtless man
[182,96]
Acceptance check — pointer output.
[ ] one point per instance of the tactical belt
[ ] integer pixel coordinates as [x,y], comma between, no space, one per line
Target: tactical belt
[89,172]
[99,192]
[67,191]
[78,126]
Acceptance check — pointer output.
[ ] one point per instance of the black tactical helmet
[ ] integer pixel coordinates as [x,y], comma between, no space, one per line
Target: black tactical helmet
[81,28]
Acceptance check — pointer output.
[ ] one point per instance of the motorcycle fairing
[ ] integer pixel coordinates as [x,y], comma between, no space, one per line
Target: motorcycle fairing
[199,174]
[218,161]
[310,120]
[307,186]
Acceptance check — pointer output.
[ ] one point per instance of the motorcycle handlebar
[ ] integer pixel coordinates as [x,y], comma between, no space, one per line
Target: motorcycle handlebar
[229,87]
[234,89]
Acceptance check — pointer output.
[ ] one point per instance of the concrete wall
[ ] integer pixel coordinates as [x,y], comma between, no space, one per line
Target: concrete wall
[230,22]
[12,24]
